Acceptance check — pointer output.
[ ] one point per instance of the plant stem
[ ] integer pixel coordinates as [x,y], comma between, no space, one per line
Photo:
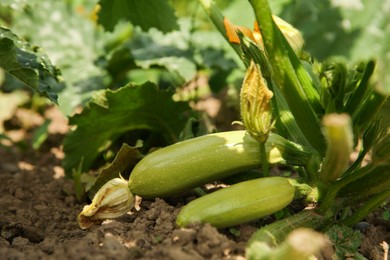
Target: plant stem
[356,163]
[199,191]
[361,90]
[290,76]
[304,190]
[217,17]
[331,193]
[368,207]
[369,108]
[264,160]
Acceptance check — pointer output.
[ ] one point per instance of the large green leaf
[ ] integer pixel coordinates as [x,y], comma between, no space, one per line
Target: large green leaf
[113,113]
[28,65]
[179,52]
[170,51]
[145,13]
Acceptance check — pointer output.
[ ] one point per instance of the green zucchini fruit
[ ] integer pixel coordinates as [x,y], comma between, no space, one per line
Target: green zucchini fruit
[239,203]
[183,166]
[273,234]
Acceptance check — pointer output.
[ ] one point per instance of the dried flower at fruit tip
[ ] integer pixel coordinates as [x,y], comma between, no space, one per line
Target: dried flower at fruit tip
[255,104]
[111,201]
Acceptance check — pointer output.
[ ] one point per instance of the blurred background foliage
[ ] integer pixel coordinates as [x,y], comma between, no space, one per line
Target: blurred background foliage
[93,52]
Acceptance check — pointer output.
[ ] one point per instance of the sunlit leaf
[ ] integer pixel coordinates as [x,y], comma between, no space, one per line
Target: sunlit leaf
[28,65]
[112,113]
[68,35]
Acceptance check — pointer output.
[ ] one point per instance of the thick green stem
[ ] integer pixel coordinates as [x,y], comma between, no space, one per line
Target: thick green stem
[276,232]
[286,65]
[332,191]
[304,190]
[356,163]
[264,161]
[357,96]
[368,207]
[369,108]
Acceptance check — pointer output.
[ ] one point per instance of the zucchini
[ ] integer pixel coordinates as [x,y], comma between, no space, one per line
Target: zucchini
[186,165]
[239,203]
[273,234]
[183,166]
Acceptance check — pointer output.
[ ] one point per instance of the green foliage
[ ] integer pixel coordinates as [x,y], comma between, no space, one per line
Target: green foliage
[41,134]
[111,114]
[144,13]
[170,51]
[142,40]
[357,30]
[72,41]
[346,241]
[26,64]
[386,215]
[79,189]
[179,53]
[124,161]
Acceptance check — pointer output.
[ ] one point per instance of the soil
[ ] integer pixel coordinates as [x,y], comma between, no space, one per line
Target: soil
[38,213]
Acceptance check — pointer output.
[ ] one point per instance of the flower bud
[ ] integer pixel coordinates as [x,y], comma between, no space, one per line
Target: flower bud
[255,104]
[111,201]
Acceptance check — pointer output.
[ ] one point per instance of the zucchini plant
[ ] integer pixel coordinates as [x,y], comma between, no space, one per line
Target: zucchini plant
[298,112]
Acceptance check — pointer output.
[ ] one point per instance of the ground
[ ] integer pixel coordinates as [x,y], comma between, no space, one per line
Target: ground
[38,213]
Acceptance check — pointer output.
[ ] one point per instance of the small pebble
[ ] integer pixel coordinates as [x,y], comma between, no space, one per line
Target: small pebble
[9,167]
[19,193]
[3,242]
[20,241]
[362,226]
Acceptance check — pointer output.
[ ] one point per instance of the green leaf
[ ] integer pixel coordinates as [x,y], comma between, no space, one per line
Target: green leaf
[145,13]
[183,67]
[71,40]
[40,134]
[114,113]
[124,162]
[346,240]
[386,215]
[27,65]
[170,51]
[357,30]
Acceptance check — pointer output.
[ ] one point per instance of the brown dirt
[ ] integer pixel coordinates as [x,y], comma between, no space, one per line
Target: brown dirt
[38,213]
